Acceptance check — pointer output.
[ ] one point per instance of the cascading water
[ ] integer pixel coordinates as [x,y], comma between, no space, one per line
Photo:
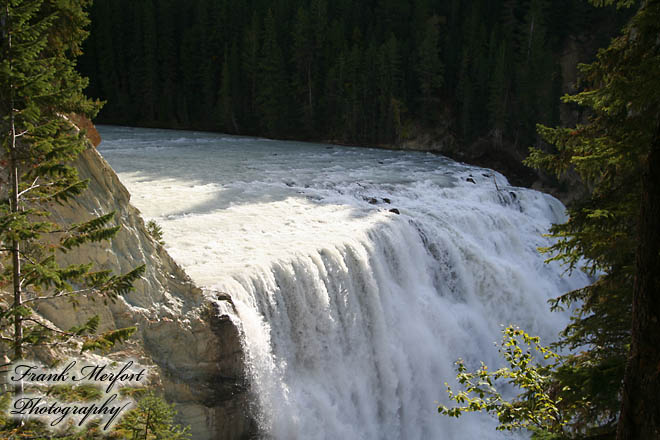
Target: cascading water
[352,315]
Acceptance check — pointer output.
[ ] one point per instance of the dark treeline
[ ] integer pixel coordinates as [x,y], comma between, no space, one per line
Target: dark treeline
[371,72]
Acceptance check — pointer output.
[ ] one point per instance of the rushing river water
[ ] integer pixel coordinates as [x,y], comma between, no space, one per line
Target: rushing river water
[352,315]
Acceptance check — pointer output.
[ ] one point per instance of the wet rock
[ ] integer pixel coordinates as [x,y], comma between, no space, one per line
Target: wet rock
[395,211]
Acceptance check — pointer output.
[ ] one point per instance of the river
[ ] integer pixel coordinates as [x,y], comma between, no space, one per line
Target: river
[359,275]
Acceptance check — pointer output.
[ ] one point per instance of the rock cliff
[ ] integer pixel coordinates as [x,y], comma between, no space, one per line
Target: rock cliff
[186,333]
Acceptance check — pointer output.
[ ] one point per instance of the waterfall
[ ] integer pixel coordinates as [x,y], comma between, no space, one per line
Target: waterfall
[356,339]
[352,315]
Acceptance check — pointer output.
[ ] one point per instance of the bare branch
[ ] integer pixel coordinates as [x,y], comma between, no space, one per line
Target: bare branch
[60,294]
[54,330]
[31,187]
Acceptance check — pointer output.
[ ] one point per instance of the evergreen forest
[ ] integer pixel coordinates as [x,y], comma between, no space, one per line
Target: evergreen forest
[369,72]
[376,72]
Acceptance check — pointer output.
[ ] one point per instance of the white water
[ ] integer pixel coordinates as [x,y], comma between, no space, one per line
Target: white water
[352,316]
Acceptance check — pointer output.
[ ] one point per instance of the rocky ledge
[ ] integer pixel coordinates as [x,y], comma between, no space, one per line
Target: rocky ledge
[185,333]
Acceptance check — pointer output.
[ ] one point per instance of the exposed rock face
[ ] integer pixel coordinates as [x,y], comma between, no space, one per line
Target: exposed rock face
[185,332]
[87,126]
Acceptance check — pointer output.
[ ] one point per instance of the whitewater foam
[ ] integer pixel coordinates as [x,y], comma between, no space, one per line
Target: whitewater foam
[352,315]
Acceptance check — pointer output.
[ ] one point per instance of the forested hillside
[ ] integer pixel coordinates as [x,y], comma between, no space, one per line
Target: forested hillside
[371,72]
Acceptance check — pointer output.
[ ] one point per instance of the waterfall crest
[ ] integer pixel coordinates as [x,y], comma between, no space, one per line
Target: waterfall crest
[359,276]
[355,339]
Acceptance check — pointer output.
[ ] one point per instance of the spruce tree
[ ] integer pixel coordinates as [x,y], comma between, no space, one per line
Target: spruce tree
[38,87]
[272,91]
[304,51]
[614,234]
[498,102]
[617,228]
[151,419]
[430,70]
[225,113]
[250,68]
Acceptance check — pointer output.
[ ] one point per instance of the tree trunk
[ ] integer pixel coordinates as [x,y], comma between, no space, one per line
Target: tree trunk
[640,409]
[16,255]
[13,198]
[16,269]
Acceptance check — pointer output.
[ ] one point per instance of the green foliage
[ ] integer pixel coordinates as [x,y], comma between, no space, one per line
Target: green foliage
[78,393]
[430,69]
[536,409]
[153,418]
[36,429]
[273,90]
[608,152]
[352,72]
[38,87]
[155,231]
[108,339]
[601,235]
[92,231]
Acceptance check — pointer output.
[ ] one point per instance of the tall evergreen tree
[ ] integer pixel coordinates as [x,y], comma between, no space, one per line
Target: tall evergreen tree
[498,102]
[430,69]
[616,229]
[250,67]
[273,85]
[38,86]
[149,66]
[445,69]
[613,233]
[225,107]
[304,51]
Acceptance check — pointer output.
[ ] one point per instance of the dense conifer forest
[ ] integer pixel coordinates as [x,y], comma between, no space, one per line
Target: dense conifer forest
[377,72]
[371,72]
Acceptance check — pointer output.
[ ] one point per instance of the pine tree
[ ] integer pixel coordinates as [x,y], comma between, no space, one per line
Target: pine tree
[225,100]
[614,232]
[148,64]
[250,68]
[273,86]
[304,51]
[534,71]
[498,101]
[430,70]
[153,419]
[166,62]
[616,229]
[38,87]
[389,125]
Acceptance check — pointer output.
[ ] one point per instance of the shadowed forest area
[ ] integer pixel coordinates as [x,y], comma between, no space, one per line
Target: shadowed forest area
[376,72]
